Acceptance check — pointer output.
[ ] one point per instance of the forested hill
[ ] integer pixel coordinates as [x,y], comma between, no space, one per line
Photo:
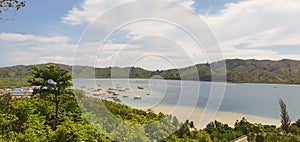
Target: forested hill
[240,71]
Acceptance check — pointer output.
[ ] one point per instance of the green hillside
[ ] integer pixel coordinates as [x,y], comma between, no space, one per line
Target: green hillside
[265,71]
[238,71]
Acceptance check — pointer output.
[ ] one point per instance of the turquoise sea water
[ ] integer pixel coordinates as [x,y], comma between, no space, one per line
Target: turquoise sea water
[253,99]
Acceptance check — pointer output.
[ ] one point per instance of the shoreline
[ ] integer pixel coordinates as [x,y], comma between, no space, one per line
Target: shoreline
[221,116]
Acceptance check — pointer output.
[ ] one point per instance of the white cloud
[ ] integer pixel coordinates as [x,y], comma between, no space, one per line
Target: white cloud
[32,49]
[89,10]
[250,24]
[188,48]
[13,37]
[29,49]
[256,23]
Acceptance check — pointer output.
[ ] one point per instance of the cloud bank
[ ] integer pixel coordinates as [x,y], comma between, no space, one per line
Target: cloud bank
[247,29]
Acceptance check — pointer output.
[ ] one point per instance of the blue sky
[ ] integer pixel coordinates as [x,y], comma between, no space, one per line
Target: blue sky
[49,31]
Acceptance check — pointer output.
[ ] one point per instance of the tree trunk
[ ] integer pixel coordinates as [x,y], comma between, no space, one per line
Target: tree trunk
[56,114]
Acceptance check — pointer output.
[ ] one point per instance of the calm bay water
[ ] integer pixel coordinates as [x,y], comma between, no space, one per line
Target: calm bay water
[253,99]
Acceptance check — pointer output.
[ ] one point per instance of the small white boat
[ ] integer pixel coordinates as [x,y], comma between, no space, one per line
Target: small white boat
[137,97]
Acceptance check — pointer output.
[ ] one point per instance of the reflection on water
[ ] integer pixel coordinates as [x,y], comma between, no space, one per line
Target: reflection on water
[252,99]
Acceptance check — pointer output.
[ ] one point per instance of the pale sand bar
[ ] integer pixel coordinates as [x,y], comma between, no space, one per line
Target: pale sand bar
[183,113]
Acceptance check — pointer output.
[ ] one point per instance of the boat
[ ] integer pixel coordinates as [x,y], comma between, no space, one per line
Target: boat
[148,94]
[110,92]
[137,97]
[140,87]
[116,99]
[115,94]
[125,96]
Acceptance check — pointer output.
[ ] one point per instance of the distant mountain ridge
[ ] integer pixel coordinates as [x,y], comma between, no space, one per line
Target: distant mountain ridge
[239,71]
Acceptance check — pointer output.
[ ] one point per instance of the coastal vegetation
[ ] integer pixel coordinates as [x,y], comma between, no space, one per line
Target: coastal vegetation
[13,82]
[32,119]
[57,113]
[54,84]
[238,71]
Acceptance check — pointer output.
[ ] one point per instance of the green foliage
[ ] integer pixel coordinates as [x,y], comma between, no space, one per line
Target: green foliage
[263,71]
[221,132]
[123,123]
[297,123]
[184,130]
[242,126]
[31,119]
[285,118]
[34,129]
[7,123]
[201,136]
[262,133]
[295,128]
[187,132]
[239,71]
[21,71]
[54,84]
[70,131]
[13,83]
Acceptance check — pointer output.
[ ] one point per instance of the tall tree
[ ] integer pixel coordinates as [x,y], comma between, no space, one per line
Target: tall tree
[285,118]
[53,84]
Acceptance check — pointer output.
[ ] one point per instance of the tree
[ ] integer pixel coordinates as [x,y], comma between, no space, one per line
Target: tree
[285,118]
[6,5]
[54,84]
[184,130]
[201,136]
[175,122]
[298,123]
[5,100]
[242,126]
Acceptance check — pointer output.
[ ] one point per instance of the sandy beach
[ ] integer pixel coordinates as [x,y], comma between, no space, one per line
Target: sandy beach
[201,119]
[200,116]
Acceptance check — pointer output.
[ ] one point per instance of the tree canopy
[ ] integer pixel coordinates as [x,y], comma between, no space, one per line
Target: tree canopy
[31,119]
[53,84]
